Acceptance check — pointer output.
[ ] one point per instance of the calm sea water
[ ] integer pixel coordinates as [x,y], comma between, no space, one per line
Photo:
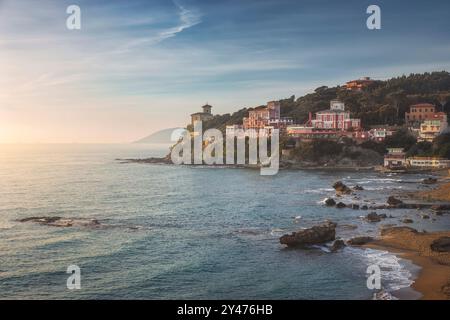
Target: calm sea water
[180,232]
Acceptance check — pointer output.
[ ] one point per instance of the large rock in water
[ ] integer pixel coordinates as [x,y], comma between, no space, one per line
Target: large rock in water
[317,234]
[373,217]
[429,181]
[341,188]
[337,245]
[393,201]
[441,244]
[330,202]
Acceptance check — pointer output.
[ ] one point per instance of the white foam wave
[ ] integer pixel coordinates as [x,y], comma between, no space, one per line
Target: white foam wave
[394,275]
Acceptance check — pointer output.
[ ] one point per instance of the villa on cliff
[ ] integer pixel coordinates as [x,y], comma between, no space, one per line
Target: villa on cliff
[202,116]
[333,123]
[263,120]
[359,84]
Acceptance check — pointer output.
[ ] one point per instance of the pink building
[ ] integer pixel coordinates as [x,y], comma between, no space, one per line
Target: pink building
[262,117]
[336,118]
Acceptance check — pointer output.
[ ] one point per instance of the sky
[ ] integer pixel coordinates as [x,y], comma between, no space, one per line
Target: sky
[138,66]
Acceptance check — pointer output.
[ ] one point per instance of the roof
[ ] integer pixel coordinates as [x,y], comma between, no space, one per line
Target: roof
[201,113]
[207,105]
[332,111]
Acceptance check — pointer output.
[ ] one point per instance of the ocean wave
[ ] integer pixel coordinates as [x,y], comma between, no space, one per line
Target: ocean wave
[319,190]
[394,274]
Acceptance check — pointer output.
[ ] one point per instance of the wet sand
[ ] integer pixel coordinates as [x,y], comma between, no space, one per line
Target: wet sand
[441,193]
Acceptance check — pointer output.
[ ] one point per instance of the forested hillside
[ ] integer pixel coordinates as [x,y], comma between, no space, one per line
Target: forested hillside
[384,102]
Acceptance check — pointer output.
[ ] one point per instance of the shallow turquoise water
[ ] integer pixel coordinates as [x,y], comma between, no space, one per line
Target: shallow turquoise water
[179,232]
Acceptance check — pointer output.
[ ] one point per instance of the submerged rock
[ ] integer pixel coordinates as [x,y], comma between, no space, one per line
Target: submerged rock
[358,241]
[373,217]
[440,207]
[341,188]
[429,181]
[441,244]
[407,220]
[355,206]
[425,216]
[358,188]
[62,222]
[317,234]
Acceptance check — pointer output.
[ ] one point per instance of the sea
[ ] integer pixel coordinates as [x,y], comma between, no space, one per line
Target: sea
[185,232]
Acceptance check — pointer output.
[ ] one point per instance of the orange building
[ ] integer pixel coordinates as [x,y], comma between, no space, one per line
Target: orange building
[420,112]
[359,84]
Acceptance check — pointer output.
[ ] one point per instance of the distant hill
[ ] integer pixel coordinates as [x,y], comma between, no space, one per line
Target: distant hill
[162,136]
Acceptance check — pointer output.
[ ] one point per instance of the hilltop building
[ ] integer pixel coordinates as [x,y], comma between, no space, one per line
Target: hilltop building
[336,118]
[430,129]
[359,84]
[331,124]
[261,117]
[420,112]
[202,116]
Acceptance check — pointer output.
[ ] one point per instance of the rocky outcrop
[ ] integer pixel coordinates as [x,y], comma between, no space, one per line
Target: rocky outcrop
[373,217]
[329,202]
[337,245]
[359,241]
[341,188]
[429,181]
[393,201]
[440,207]
[341,205]
[385,231]
[62,222]
[355,206]
[441,245]
[317,234]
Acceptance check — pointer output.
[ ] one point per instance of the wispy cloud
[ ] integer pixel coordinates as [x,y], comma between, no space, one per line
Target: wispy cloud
[187,19]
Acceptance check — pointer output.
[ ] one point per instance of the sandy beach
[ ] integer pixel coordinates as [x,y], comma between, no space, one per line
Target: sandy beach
[433,281]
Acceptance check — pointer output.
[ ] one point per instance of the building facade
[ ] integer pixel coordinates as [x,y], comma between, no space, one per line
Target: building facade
[420,112]
[428,162]
[265,117]
[395,158]
[430,129]
[336,118]
[359,84]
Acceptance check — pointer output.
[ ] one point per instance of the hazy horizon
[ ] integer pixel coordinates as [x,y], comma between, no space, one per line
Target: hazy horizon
[137,67]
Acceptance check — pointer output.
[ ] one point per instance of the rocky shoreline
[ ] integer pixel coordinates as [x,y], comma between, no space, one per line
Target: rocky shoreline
[429,250]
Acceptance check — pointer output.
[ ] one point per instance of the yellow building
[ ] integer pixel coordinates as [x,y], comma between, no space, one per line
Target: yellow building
[430,129]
